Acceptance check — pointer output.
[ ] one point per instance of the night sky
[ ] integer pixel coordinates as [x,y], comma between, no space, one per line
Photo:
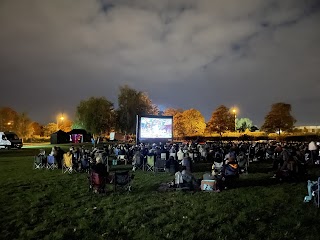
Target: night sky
[185,54]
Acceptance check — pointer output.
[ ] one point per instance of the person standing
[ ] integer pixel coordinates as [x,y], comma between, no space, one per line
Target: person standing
[312,147]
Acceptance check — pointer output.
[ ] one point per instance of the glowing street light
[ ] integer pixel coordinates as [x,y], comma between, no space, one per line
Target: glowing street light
[234,111]
[61,118]
[10,124]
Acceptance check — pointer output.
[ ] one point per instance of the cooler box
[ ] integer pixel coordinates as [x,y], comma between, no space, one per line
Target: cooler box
[208,185]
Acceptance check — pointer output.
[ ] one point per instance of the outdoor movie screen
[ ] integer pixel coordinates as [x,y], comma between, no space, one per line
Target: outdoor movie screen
[151,127]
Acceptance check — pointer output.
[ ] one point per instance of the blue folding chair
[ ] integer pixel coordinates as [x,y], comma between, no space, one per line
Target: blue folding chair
[85,165]
[313,192]
[51,163]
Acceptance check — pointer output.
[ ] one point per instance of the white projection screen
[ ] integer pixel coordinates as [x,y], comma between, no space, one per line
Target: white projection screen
[151,128]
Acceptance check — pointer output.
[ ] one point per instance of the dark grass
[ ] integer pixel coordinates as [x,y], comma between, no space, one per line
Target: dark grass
[41,204]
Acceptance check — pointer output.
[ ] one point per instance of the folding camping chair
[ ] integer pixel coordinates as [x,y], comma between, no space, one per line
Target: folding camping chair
[317,195]
[313,192]
[37,163]
[85,164]
[150,163]
[137,161]
[122,180]
[97,183]
[196,156]
[51,163]
[173,154]
[193,156]
[163,156]
[217,168]
[105,158]
[123,158]
[160,165]
[67,163]
[114,162]
[243,163]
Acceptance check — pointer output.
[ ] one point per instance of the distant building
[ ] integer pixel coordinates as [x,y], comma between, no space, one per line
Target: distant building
[309,129]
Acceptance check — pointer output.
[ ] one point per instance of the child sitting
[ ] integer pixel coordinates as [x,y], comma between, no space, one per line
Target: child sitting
[184,179]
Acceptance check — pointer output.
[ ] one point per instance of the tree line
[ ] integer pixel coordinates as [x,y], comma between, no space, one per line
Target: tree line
[21,123]
[98,116]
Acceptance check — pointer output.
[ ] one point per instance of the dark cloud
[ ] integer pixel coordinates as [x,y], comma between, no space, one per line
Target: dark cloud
[184,53]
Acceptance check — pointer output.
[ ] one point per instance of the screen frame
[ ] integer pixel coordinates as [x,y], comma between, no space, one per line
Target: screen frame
[139,139]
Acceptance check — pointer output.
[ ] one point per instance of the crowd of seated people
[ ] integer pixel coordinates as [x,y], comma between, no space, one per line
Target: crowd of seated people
[289,159]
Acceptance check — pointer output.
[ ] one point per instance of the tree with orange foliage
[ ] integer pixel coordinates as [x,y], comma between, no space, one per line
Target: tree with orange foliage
[222,120]
[66,125]
[8,117]
[193,122]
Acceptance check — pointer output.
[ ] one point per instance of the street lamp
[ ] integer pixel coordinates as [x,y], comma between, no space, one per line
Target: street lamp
[234,111]
[10,124]
[61,118]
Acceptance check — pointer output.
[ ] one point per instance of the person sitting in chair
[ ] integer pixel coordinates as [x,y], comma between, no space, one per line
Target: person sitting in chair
[230,171]
[100,168]
[230,167]
[136,160]
[172,165]
[42,156]
[288,169]
[59,157]
[186,162]
[99,176]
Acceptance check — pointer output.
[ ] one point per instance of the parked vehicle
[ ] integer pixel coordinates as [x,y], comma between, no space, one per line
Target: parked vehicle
[4,142]
[16,142]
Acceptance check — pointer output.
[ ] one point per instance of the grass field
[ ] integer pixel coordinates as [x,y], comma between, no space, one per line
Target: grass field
[42,204]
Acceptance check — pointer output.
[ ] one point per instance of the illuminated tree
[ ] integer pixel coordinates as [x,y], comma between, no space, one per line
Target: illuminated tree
[172,111]
[77,125]
[243,124]
[8,117]
[96,115]
[66,125]
[193,122]
[178,125]
[10,120]
[279,118]
[49,129]
[178,122]
[132,103]
[146,105]
[36,128]
[23,126]
[222,120]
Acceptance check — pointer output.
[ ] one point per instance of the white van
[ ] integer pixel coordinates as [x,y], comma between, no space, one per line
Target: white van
[4,142]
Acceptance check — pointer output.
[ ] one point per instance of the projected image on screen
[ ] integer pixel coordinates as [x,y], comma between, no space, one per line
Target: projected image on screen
[155,127]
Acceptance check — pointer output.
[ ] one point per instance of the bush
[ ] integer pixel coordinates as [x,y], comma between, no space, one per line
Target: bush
[37,139]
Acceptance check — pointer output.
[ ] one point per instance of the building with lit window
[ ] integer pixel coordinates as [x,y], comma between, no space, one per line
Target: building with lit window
[309,129]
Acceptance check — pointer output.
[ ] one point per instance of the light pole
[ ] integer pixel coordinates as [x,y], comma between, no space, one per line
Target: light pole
[61,118]
[234,111]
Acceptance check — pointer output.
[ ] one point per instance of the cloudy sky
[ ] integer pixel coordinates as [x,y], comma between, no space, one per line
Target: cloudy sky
[189,54]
